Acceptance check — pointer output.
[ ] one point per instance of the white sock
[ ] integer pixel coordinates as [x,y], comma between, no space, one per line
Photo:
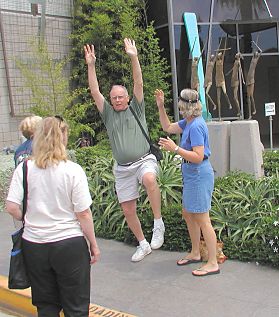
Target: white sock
[158,223]
[143,243]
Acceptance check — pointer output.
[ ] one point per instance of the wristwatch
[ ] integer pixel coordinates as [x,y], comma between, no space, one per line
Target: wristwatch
[176,149]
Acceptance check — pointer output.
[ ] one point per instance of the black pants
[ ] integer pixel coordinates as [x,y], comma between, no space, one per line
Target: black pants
[60,276]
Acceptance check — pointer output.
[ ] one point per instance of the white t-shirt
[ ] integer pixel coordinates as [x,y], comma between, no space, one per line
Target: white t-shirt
[54,195]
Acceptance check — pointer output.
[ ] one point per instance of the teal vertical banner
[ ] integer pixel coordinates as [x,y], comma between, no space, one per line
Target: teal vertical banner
[191,25]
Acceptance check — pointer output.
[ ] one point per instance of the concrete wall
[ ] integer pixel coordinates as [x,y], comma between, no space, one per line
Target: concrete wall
[236,146]
[219,134]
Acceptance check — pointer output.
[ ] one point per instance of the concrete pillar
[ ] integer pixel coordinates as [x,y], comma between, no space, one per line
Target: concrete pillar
[219,141]
[246,149]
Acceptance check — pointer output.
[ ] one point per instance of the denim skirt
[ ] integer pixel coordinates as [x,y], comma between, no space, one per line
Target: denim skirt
[198,185]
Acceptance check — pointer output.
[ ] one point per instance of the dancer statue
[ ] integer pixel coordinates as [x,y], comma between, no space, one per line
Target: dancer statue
[208,81]
[236,72]
[250,83]
[220,80]
[195,83]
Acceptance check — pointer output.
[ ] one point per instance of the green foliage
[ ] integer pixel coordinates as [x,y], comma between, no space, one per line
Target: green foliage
[271,163]
[169,179]
[87,156]
[237,209]
[270,230]
[109,219]
[105,24]
[250,250]
[176,234]
[45,77]
[245,211]
[5,178]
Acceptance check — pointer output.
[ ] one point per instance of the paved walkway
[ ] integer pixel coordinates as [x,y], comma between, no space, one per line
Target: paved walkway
[157,287]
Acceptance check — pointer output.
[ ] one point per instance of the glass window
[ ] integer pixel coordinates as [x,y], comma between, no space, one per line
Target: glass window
[273,7]
[157,12]
[164,43]
[220,40]
[239,10]
[183,53]
[201,8]
[219,37]
[253,35]
[265,90]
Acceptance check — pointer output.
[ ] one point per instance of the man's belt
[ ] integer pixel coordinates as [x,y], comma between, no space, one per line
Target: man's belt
[130,163]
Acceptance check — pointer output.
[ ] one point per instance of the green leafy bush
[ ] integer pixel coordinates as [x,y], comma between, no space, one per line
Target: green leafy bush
[238,209]
[243,213]
[271,163]
[105,24]
[270,230]
[5,178]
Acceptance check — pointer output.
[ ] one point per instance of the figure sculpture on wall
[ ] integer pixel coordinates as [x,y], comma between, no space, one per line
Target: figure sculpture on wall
[195,83]
[250,83]
[236,72]
[208,81]
[220,80]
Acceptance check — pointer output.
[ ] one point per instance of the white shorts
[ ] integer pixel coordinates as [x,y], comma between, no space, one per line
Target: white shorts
[129,178]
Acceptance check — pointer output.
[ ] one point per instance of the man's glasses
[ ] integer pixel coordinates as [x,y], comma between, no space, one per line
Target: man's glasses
[117,97]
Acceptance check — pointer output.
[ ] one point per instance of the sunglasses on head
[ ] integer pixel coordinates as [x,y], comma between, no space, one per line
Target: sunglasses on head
[187,100]
[59,118]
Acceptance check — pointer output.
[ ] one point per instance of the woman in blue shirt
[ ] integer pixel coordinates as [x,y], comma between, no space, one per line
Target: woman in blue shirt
[197,174]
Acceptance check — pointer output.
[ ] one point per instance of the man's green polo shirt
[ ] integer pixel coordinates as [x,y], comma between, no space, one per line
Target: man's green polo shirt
[127,141]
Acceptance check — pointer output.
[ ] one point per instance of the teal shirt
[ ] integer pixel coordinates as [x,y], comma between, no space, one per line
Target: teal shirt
[127,141]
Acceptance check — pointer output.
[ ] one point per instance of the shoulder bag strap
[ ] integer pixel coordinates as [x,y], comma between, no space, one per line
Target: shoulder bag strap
[141,127]
[25,189]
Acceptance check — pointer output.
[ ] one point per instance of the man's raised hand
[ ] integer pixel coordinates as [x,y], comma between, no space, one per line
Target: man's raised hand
[89,54]
[130,47]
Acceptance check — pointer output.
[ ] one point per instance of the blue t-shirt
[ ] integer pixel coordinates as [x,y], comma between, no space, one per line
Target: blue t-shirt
[23,151]
[194,133]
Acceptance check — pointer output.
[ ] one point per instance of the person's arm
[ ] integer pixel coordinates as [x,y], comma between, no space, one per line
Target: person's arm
[86,222]
[132,52]
[167,126]
[194,156]
[90,58]
[14,210]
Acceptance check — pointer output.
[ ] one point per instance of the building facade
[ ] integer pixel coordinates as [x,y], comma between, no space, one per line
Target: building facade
[240,26]
[22,21]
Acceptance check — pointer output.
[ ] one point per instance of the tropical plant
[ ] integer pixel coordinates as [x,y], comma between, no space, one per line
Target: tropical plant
[244,210]
[108,216]
[105,24]
[170,179]
[106,210]
[237,210]
[49,88]
[271,163]
[5,178]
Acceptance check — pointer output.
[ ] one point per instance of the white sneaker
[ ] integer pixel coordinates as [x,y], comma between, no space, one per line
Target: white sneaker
[141,252]
[157,237]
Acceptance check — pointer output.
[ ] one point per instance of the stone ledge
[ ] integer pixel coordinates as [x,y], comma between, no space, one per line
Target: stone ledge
[19,301]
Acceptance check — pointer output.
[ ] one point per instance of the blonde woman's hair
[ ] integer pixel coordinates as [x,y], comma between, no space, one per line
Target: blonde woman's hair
[189,103]
[49,144]
[28,126]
